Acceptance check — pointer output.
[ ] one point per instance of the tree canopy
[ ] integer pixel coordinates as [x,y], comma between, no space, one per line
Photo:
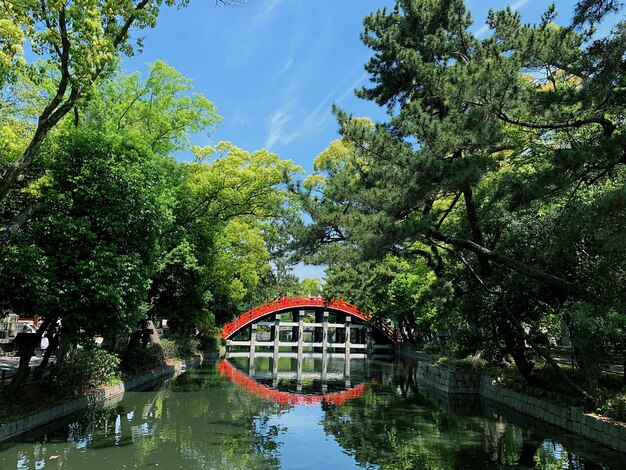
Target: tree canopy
[500,172]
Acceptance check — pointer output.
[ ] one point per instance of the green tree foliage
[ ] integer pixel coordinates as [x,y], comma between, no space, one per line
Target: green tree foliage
[89,256]
[225,203]
[161,111]
[123,231]
[75,46]
[79,41]
[310,286]
[501,167]
[211,249]
[403,290]
[279,281]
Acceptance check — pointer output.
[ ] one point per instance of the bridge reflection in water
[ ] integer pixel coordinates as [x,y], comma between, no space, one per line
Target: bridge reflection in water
[297,382]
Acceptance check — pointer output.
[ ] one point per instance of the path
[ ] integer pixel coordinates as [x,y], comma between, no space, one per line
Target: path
[10,364]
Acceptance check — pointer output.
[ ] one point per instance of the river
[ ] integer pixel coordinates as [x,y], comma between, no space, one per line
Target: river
[218,416]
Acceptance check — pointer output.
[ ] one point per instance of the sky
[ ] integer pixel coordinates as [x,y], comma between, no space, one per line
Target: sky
[274,68]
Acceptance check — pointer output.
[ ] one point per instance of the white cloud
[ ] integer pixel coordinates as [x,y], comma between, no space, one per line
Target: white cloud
[485,28]
[519,4]
[481,31]
[266,14]
[285,68]
[353,87]
[320,117]
[280,128]
[240,118]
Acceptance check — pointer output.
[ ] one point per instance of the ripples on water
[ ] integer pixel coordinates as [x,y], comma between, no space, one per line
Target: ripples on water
[218,417]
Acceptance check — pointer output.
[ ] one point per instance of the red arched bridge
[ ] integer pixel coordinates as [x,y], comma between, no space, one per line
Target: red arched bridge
[310,327]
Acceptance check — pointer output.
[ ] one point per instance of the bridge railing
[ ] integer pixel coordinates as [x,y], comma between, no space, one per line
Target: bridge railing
[288,302]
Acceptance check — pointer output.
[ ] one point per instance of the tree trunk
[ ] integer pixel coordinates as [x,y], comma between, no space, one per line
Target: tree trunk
[514,345]
[477,234]
[25,355]
[65,352]
[546,355]
[20,377]
[14,170]
[133,345]
[17,223]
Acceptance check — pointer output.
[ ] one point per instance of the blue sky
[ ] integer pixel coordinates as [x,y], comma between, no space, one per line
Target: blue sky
[275,67]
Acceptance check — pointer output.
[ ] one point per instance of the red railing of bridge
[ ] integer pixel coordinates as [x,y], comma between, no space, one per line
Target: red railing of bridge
[286,398]
[288,302]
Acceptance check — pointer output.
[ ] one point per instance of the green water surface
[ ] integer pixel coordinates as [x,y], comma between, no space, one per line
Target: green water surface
[215,417]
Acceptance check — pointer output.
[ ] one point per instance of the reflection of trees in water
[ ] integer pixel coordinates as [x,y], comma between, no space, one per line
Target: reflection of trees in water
[392,426]
[236,423]
[166,427]
[201,421]
[385,430]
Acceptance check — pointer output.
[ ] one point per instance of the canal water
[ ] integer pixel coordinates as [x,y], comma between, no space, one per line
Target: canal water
[233,416]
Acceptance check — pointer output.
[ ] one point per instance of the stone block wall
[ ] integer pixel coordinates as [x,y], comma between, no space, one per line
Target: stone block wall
[448,380]
[572,419]
[569,418]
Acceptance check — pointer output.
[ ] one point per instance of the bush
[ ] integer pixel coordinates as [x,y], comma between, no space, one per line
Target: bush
[180,348]
[470,362]
[145,359]
[188,347]
[432,347]
[84,370]
[210,341]
[170,348]
[612,404]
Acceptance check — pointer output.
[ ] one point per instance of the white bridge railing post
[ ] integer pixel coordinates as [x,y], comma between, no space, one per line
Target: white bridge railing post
[276,333]
[347,345]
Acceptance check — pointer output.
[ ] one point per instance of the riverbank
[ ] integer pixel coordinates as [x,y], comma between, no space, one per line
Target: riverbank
[11,430]
[467,384]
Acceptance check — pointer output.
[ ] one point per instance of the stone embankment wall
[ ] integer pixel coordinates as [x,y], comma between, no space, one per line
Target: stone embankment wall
[449,380]
[597,429]
[11,430]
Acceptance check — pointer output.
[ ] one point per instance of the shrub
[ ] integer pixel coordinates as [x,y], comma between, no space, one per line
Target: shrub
[210,341]
[170,348]
[142,359]
[84,370]
[180,348]
[470,362]
[432,347]
[612,404]
[188,347]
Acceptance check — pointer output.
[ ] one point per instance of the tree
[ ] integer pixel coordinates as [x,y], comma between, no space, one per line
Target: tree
[88,258]
[482,136]
[310,286]
[80,43]
[160,112]
[225,203]
[165,106]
